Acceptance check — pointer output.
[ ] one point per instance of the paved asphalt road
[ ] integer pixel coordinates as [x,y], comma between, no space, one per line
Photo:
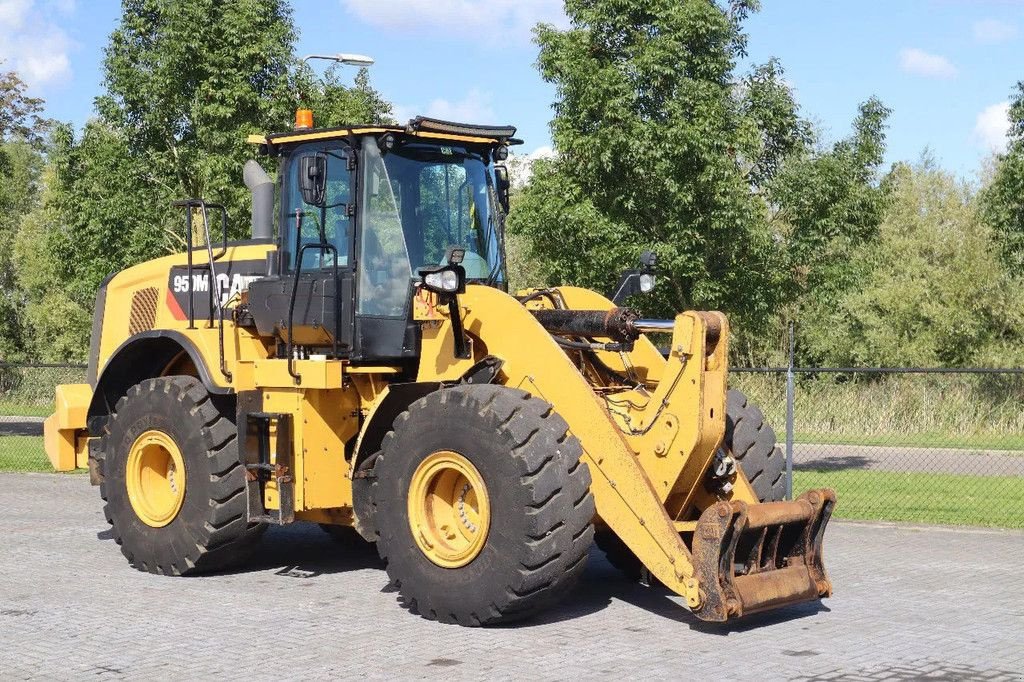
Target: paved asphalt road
[909,602]
[937,460]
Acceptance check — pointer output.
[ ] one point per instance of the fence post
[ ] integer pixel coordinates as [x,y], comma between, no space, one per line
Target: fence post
[790,399]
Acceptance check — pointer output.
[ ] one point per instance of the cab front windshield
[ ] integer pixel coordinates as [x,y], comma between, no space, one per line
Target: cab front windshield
[418,200]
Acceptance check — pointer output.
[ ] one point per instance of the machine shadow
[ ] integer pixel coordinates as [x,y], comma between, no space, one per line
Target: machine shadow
[299,550]
[302,550]
[601,583]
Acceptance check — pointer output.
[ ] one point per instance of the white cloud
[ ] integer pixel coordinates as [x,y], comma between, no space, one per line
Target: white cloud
[991,127]
[494,21]
[13,13]
[31,44]
[520,166]
[992,31]
[921,63]
[544,152]
[46,62]
[66,7]
[475,107]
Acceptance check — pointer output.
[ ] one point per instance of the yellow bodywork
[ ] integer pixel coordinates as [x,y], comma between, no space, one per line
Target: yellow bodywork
[647,445]
[309,428]
[62,431]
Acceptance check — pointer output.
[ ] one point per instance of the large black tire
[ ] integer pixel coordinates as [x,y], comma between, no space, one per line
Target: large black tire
[751,443]
[211,531]
[541,508]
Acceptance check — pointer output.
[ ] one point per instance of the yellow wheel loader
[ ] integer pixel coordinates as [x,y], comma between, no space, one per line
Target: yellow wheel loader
[366,369]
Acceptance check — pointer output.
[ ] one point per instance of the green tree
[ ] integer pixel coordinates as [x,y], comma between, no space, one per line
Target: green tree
[660,145]
[86,225]
[22,134]
[932,292]
[185,83]
[827,203]
[20,117]
[1002,200]
[336,104]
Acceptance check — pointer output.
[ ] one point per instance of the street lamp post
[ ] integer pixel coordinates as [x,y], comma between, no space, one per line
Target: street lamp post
[342,58]
[304,117]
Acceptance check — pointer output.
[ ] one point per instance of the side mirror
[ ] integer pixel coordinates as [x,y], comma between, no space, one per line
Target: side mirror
[503,186]
[313,178]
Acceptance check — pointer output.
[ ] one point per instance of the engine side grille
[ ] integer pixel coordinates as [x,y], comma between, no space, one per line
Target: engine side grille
[143,312]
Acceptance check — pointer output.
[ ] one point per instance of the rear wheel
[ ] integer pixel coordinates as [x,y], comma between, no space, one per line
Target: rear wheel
[751,442]
[483,506]
[172,482]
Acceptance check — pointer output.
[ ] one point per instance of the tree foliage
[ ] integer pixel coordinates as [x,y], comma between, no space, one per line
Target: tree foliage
[932,290]
[22,133]
[827,203]
[1002,200]
[661,144]
[20,115]
[653,138]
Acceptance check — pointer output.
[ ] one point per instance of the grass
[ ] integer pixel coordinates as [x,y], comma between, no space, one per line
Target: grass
[23,453]
[966,411]
[1010,442]
[28,391]
[992,501]
[23,409]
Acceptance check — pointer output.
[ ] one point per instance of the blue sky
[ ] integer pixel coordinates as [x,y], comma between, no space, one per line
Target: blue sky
[945,67]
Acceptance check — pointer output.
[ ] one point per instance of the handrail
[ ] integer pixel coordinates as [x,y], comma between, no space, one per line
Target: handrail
[203,205]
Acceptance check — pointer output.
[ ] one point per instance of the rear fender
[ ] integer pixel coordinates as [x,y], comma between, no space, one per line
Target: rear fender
[143,356]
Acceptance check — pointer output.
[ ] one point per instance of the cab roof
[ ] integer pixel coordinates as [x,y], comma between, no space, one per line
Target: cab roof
[420,126]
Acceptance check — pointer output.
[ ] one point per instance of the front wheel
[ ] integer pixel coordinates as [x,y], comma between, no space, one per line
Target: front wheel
[483,506]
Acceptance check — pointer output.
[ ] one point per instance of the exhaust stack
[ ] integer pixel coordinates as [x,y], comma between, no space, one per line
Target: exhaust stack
[262,189]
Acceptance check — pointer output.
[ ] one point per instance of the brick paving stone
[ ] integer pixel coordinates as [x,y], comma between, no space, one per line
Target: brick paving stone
[911,603]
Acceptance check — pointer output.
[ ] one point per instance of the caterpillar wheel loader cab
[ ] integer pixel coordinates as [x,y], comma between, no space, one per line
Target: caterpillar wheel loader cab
[367,369]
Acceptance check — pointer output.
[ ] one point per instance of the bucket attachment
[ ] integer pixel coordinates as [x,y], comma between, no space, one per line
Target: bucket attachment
[755,557]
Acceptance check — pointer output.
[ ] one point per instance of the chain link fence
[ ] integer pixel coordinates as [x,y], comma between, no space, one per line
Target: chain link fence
[926,446]
[901,444]
[26,398]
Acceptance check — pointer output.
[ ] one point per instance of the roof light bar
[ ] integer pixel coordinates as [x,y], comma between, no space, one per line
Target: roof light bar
[433,125]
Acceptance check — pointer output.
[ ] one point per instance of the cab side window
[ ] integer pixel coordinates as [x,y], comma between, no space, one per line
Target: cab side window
[302,222]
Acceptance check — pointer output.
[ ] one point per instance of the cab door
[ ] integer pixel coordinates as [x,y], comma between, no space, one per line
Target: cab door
[315,245]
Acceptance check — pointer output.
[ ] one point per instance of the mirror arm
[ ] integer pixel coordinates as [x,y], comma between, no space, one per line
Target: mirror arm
[627,286]
[461,347]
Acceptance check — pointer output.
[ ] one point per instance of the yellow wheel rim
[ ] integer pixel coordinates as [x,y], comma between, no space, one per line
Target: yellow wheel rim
[449,512]
[155,477]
